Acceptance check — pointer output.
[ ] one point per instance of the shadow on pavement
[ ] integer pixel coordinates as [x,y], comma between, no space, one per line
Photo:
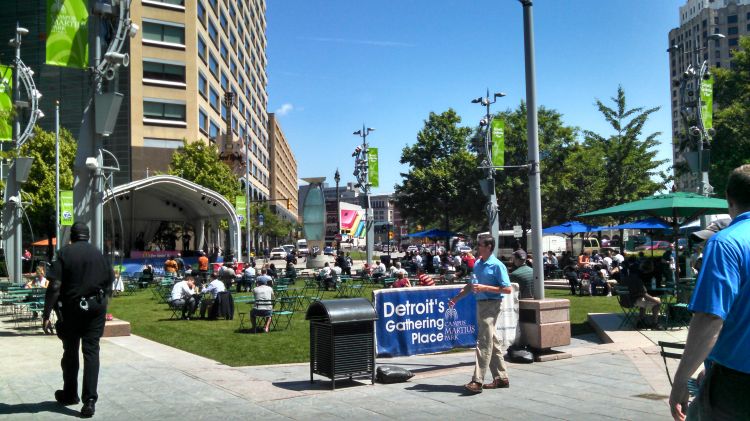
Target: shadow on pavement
[441,388]
[319,384]
[35,408]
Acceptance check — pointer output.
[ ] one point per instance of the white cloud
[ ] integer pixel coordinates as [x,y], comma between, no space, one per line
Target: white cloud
[285,109]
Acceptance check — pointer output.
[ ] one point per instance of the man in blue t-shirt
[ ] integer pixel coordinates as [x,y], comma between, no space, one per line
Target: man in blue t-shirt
[489,281]
[719,329]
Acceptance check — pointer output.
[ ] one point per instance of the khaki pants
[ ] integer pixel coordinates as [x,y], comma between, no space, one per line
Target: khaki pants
[489,352]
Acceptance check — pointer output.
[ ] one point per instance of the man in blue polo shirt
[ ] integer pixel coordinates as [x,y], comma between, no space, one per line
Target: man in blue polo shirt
[489,281]
[720,328]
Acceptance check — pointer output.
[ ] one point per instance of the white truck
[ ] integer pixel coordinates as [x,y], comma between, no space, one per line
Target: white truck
[302,249]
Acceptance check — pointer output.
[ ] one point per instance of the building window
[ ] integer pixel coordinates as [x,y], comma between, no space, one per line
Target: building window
[213,65]
[164,33]
[732,30]
[202,85]
[168,4]
[159,112]
[732,19]
[232,39]
[213,131]
[235,122]
[203,121]
[214,4]
[223,21]
[202,13]
[233,68]
[224,111]
[213,33]
[224,52]
[202,48]
[213,99]
[160,72]
[224,82]
[732,41]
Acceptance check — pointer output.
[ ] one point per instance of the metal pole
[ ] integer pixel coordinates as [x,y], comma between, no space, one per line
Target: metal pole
[369,223]
[247,194]
[532,130]
[57,175]
[492,208]
[15,271]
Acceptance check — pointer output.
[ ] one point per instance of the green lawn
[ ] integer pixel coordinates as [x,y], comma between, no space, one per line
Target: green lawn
[220,340]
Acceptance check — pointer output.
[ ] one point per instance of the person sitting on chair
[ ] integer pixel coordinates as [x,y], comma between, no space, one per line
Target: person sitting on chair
[325,277]
[379,271]
[402,281]
[263,302]
[425,280]
[214,288]
[640,297]
[184,297]
[571,275]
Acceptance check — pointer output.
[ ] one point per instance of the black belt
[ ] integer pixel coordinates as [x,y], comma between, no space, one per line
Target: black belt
[730,371]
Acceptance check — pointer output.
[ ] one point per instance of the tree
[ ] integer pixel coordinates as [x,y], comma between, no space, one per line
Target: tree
[629,163]
[555,140]
[273,226]
[441,188]
[39,189]
[199,162]
[731,144]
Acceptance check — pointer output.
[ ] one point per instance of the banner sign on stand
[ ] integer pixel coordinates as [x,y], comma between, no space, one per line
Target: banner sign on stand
[419,321]
[67,33]
[6,103]
[372,160]
[66,207]
[240,207]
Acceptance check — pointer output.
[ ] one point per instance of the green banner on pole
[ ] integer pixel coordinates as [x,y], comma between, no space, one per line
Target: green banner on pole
[66,207]
[707,102]
[6,103]
[372,160]
[498,142]
[241,209]
[67,33]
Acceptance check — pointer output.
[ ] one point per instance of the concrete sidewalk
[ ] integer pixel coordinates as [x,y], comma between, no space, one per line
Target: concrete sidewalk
[141,379]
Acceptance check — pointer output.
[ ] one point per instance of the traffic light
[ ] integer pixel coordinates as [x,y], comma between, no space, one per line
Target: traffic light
[390,235]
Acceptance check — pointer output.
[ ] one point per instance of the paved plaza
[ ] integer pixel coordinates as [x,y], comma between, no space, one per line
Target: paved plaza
[141,379]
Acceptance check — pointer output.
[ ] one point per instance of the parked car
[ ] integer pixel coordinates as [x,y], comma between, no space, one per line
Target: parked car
[288,248]
[278,253]
[328,251]
[655,245]
[412,249]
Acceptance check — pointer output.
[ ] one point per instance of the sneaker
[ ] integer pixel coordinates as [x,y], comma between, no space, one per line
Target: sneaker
[473,387]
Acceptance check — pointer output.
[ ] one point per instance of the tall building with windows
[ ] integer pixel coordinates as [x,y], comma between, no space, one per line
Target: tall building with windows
[698,20]
[283,172]
[186,56]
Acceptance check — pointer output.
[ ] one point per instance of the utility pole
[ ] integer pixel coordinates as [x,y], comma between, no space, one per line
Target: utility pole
[532,133]
[488,183]
[361,171]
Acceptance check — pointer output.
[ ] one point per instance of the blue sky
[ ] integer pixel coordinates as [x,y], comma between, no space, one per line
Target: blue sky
[334,65]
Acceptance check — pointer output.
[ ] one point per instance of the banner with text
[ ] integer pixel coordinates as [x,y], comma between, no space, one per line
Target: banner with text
[372,159]
[707,102]
[498,142]
[67,33]
[419,321]
[66,207]
[6,103]
[240,206]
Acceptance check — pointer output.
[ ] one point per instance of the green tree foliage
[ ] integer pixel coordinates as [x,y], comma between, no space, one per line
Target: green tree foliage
[39,189]
[273,226]
[731,145]
[199,162]
[441,188]
[512,185]
[629,165]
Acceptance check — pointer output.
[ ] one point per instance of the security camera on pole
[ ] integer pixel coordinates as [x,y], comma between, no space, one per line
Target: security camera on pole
[22,81]
[362,158]
[109,26]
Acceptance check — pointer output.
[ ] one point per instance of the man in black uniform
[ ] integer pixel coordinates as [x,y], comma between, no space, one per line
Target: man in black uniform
[81,282]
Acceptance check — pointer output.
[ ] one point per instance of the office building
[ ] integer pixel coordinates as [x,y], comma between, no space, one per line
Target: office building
[699,19]
[283,173]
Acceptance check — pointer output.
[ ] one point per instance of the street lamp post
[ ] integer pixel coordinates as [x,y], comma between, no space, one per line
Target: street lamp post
[488,183]
[337,179]
[361,171]
[691,86]
[532,135]
[247,195]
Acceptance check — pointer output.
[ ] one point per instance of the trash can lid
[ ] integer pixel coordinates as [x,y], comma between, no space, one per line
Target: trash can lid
[345,310]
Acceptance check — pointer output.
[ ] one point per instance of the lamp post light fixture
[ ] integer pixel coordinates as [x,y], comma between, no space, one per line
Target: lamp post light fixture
[361,171]
[337,179]
[690,83]
[488,183]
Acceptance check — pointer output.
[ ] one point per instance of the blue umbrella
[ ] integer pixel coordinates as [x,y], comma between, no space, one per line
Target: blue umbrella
[433,233]
[570,227]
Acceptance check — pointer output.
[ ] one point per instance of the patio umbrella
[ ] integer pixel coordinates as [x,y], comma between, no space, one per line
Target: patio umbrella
[675,205]
[570,228]
[644,224]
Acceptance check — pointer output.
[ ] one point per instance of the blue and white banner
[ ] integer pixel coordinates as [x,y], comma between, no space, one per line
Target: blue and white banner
[418,320]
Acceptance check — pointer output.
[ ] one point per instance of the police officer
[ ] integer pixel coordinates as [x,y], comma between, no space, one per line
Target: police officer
[81,282]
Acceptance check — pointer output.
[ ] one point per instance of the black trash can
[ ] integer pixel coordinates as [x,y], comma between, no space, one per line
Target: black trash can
[342,339]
